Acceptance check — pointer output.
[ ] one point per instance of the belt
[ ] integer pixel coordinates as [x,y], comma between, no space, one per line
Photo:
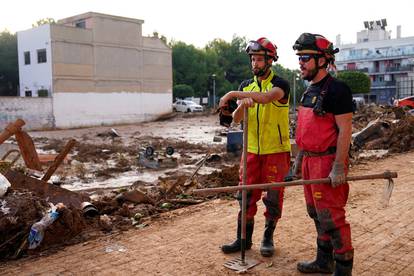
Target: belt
[330,150]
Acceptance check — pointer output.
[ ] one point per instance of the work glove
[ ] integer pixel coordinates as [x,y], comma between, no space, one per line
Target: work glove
[337,174]
[226,112]
[296,171]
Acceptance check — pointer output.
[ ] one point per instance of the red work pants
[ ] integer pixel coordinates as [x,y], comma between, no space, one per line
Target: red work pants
[326,205]
[265,168]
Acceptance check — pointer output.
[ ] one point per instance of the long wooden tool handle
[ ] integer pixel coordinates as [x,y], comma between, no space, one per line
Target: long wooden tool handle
[384,175]
[11,129]
[58,160]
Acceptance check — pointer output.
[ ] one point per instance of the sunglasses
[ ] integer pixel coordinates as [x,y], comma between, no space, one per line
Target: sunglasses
[305,58]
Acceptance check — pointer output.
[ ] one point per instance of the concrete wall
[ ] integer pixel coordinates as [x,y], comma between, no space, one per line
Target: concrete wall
[36,112]
[91,109]
[105,73]
[34,76]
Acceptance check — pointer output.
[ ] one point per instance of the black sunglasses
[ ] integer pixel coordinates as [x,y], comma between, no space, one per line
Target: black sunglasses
[305,58]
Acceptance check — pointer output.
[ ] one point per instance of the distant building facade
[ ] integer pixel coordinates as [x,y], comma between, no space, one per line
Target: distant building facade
[389,62]
[97,68]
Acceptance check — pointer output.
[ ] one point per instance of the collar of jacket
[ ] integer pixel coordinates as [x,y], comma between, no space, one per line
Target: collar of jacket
[266,80]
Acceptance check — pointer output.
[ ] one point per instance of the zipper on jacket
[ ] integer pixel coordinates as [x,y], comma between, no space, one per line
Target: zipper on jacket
[280,134]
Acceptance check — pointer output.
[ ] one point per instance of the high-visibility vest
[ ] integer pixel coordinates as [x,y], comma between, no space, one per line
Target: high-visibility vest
[268,124]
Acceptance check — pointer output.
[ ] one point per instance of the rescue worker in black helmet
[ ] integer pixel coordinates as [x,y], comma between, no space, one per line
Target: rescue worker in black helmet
[266,97]
[323,135]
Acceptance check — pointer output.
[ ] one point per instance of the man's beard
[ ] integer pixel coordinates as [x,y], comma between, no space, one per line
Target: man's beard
[310,75]
[260,72]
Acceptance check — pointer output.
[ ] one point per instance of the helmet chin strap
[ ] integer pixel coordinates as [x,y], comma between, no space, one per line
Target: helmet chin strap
[315,71]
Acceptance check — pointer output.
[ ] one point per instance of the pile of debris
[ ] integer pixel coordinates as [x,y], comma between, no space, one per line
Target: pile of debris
[66,216]
[386,128]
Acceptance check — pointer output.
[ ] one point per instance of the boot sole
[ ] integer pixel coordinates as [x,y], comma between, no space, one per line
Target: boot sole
[266,253]
[314,269]
[235,250]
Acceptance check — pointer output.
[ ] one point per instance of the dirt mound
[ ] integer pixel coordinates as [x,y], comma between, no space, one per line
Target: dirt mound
[20,210]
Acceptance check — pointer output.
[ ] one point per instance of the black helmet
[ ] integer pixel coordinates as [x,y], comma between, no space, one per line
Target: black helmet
[308,43]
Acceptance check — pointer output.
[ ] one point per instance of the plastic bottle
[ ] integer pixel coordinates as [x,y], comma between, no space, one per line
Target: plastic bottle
[38,229]
[4,185]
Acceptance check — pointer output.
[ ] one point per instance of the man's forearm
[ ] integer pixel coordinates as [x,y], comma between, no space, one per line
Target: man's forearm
[262,98]
[238,114]
[342,146]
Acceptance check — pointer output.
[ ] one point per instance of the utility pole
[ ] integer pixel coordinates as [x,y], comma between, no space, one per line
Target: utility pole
[214,90]
[294,97]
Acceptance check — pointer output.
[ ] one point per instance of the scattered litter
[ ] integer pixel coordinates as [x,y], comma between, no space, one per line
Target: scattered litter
[373,153]
[217,139]
[269,264]
[166,205]
[115,248]
[4,185]
[38,229]
[3,207]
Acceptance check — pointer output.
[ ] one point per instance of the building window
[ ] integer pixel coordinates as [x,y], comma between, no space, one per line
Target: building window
[28,93]
[80,24]
[26,58]
[41,56]
[42,93]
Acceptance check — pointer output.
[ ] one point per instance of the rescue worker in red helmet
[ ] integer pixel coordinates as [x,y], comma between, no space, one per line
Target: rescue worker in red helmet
[267,98]
[323,134]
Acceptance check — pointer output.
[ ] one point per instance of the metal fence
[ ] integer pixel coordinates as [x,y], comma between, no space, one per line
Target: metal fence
[405,87]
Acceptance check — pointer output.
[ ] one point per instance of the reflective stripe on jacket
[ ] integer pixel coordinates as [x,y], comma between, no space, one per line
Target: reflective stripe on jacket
[268,126]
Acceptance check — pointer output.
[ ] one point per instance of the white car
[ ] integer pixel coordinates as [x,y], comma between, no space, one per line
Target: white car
[187,106]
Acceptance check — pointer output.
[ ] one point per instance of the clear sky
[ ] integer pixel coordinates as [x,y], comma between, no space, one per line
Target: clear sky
[199,22]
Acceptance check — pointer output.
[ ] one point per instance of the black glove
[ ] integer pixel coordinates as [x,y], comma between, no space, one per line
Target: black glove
[337,174]
[226,113]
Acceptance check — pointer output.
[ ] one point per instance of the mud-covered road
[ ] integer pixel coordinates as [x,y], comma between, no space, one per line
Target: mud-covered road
[186,241]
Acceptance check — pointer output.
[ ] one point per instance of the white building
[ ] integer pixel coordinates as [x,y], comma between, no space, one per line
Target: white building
[389,62]
[97,69]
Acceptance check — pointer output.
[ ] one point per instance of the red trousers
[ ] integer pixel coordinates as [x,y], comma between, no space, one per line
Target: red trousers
[265,169]
[326,205]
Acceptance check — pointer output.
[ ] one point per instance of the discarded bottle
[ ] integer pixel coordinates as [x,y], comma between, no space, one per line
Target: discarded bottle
[4,185]
[38,229]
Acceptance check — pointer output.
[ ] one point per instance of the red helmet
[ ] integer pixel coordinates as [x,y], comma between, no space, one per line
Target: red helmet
[308,43]
[262,46]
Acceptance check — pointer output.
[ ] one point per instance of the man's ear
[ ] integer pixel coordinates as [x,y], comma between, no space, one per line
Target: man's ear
[322,62]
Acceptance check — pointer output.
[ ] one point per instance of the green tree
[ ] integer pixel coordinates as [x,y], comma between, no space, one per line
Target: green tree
[9,69]
[359,82]
[43,21]
[182,91]
[291,76]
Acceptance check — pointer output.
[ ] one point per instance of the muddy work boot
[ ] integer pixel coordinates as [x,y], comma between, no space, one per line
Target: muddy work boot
[324,262]
[266,248]
[344,264]
[236,245]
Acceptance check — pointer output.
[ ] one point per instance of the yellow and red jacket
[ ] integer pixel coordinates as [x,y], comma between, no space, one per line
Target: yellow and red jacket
[268,125]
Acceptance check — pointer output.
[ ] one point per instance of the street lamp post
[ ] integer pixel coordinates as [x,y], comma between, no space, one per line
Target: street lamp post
[214,90]
[295,78]
[294,97]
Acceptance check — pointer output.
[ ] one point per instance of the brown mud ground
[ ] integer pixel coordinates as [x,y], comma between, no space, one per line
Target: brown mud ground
[186,241]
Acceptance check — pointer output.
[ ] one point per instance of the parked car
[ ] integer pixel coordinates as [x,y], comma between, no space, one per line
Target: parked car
[186,106]
[408,101]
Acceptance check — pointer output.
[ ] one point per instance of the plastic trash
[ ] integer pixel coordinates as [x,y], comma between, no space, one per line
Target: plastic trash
[37,230]
[4,185]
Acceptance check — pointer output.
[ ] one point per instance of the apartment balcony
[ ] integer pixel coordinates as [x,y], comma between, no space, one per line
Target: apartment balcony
[383,84]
